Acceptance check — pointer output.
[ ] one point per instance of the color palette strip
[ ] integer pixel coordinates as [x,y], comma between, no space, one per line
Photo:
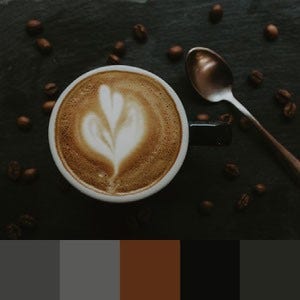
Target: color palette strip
[119,270]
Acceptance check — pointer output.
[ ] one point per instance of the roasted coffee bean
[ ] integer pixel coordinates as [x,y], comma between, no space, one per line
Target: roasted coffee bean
[113,59]
[27,221]
[140,33]
[203,117]
[23,122]
[175,52]
[271,32]
[231,170]
[144,215]
[30,174]
[244,123]
[226,118]
[48,106]
[14,170]
[216,13]
[256,78]
[13,231]
[289,110]
[260,188]
[51,89]
[243,202]
[44,45]
[119,48]
[206,207]
[132,223]
[283,96]
[34,27]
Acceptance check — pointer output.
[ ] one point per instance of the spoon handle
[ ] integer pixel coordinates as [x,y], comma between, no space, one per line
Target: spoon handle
[291,161]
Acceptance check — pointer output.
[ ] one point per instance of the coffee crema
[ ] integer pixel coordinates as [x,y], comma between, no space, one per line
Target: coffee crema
[118,132]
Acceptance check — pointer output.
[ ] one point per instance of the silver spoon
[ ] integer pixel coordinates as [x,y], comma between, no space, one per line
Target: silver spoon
[213,79]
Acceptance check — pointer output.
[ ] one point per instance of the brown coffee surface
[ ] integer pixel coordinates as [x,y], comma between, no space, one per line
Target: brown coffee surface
[118,132]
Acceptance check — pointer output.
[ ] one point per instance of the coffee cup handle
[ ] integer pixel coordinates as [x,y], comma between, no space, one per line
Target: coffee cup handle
[210,134]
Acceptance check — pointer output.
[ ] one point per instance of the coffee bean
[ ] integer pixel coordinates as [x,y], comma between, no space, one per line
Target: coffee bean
[119,48]
[144,215]
[27,221]
[260,188]
[48,106]
[244,123]
[113,59]
[140,33]
[203,117]
[271,32]
[132,223]
[13,231]
[256,78]
[206,207]
[216,13]
[23,122]
[231,170]
[289,110]
[14,170]
[243,202]
[30,174]
[51,89]
[226,118]
[34,27]
[175,52]
[44,45]
[283,96]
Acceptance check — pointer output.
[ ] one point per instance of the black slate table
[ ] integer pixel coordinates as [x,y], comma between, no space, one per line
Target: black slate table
[82,34]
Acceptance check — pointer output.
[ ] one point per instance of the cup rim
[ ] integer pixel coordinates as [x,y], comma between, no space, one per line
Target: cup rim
[137,195]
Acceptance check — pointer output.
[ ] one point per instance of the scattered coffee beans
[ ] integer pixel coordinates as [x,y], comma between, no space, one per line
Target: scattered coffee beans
[289,110]
[51,89]
[44,45]
[30,174]
[23,122]
[140,33]
[203,117]
[119,48]
[206,207]
[113,59]
[226,118]
[243,202]
[27,221]
[256,78]
[14,170]
[13,231]
[216,13]
[244,123]
[260,188]
[231,170]
[144,215]
[175,52]
[271,32]
[283,96]
[34,27]
[48,106]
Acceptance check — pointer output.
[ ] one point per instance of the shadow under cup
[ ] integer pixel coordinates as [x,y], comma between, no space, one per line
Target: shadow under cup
[197,133]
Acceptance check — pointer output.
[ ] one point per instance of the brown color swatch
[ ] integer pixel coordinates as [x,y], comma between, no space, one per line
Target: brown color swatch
[150,270]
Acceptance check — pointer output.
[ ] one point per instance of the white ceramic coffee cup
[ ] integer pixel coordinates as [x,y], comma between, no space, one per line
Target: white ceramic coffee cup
[134,196]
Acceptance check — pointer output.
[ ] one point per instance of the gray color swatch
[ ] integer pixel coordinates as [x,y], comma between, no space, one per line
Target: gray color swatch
[29,270]
[89,270]
[270,270]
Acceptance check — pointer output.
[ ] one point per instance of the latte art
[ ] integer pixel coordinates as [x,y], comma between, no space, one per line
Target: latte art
[119,133]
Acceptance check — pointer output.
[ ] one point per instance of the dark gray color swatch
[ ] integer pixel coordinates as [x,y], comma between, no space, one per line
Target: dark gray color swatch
[270,270]
[29,270]
[90,270]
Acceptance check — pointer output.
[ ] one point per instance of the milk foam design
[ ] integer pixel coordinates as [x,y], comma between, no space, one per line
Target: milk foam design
[118,135]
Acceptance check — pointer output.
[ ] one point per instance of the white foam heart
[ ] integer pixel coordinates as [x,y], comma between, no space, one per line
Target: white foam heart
[125,128]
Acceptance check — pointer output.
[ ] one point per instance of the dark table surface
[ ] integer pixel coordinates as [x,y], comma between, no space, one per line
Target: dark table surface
[82,33]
